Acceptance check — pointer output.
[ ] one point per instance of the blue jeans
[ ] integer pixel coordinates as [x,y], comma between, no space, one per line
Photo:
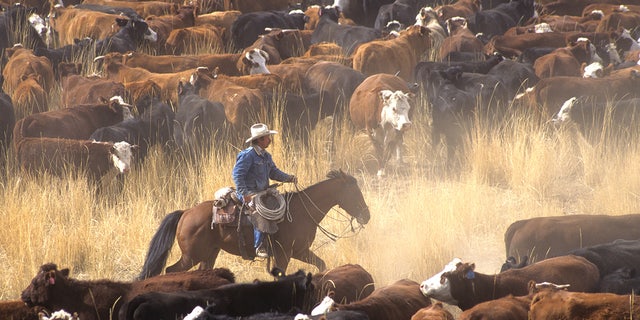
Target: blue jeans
[257,238]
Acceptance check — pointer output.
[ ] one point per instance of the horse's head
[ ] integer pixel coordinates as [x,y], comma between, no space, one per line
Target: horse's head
[350,196]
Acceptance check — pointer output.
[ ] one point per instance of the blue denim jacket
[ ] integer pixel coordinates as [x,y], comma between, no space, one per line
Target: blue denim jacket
[252,172]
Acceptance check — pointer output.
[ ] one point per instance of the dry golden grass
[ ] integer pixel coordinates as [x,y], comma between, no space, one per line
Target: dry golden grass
[422,216]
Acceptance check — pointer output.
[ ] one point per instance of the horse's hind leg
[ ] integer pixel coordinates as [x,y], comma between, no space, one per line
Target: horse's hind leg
[185,263]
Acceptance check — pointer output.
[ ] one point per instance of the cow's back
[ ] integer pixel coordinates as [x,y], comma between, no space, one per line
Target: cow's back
[546,237]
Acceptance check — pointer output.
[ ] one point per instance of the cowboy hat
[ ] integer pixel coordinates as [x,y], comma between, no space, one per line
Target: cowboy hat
[259,130]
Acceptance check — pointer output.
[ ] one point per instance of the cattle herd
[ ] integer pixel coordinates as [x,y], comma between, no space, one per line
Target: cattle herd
[132,75]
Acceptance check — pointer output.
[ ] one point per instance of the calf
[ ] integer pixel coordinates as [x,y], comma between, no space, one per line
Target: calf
[58,156]
[565,61]
[29,97]
[181,41]
[381,105]
[469,288]
[242,299]
[460,38]
[22,62]
[99,299]
[621,281]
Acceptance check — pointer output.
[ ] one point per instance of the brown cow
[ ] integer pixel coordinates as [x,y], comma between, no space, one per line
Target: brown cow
[264,82]
[561,304]
[398,301]
[460,39]
[226,62]
[278,45]
[98,299]
[22,62]
[242,106]
[381,105]
[323,48]
[397,56]
[184,40]
[164,24]
[17,310]
[469,288]
[60,156]
[29,97]
[434,312]
[220,19]
[545,237]
[245,6]
[168,82]
[337,80]
[460,8]
[292,74]
[512,46]
[566,61]
[143,8]
[505,308]
[72,23]
[347,283]
[312,18]
[551,93]
[77,122]
[617,20]
[77,89]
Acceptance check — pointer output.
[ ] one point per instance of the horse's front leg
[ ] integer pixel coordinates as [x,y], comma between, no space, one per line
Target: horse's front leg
[310,257]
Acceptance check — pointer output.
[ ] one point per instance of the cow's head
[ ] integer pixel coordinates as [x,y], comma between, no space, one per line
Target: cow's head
[437,286]
[121,154]
[43,286]
[462,284]
[564,114]
[395,109]
[116,103]
[256,59]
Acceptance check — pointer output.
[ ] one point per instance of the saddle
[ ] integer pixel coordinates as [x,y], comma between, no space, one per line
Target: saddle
[226,212]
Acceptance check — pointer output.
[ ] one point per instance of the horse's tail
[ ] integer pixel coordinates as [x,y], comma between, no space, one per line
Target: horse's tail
[160,246]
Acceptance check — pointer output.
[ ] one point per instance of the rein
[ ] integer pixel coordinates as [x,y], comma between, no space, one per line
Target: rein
[334,237]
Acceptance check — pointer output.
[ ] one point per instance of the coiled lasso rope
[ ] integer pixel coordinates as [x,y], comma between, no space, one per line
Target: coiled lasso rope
[264,211]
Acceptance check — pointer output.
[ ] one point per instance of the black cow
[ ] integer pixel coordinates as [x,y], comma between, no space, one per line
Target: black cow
[131,34]
[347,37]
[242,299]
[300,113]
[530,55]
[246,29]
[16,16]
[362,12]
[154,126]
[403,11]
[496,21]
[197,119]
[66,53]
[622,281]
[423,69]
[609,257]
[515,76]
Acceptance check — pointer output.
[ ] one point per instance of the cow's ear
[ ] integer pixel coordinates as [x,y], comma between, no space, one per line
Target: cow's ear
[264,54]
[65,272]
[180,87]
[531,286]
[279,35]
[103,100]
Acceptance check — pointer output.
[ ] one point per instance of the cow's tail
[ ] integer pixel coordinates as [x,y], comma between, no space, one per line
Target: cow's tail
[160,246]
[19,131]
[508,235]
[129,308]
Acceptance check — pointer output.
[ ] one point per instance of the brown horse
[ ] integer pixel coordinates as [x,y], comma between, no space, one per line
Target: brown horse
[201,244]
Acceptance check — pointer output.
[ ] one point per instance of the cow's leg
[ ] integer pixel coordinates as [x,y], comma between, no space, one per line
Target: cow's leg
[310,257]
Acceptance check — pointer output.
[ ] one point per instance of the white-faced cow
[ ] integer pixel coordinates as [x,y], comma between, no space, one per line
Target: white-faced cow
[381,105]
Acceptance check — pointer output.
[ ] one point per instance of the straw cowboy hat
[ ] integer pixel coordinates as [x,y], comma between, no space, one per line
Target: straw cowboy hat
[259,130]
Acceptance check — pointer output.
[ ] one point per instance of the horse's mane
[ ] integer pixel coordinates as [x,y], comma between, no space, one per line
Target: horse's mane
[338,174]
